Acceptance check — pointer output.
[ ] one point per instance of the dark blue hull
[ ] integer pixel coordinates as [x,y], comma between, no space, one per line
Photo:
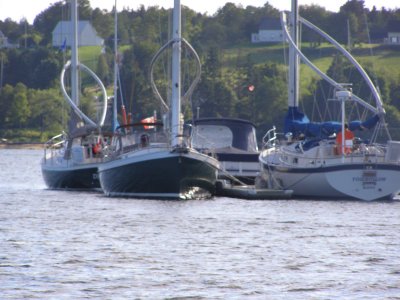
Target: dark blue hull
[83,178]
[166,177]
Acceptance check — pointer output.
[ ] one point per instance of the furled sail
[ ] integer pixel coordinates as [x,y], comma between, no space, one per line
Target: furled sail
[297,123]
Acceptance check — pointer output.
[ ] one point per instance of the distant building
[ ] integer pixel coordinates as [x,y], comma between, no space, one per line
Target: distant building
[87,35]
[270,30]
[393,37]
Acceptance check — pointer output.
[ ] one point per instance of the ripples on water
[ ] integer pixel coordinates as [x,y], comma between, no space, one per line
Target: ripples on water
[69,245]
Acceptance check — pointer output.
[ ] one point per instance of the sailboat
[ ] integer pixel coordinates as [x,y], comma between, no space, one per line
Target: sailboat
[71,159]
[310,159]
[150,159]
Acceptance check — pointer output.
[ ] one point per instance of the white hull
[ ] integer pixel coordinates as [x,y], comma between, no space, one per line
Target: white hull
[353,178]
[348,184]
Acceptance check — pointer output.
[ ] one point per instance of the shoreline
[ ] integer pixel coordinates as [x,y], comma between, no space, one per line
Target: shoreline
[30,146]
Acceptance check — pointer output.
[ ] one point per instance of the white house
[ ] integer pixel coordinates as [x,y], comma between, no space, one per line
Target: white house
[393,38]
[270,30]
[87,35]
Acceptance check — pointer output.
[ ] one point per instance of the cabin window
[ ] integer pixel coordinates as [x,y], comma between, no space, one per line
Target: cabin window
[211,136]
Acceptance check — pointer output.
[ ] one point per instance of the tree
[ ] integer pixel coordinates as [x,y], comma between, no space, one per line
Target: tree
[103,70]
[36,68]
[10,29]
[214,98]
[19,109]
[213,34]
[46,21]
[6,97]
[394,94]
[317,15]
[354,11]
[103,22]
[45,75]
[49,110]
[268,93]
[213,64]
[137,93]
[232,18]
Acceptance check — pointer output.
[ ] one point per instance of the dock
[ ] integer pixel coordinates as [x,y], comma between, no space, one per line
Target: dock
[250,192]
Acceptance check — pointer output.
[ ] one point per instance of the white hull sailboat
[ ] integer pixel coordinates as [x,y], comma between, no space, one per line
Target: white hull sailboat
[71,159]
[310,161]
[149,161]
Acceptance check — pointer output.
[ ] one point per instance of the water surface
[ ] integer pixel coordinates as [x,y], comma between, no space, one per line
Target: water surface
[83,245]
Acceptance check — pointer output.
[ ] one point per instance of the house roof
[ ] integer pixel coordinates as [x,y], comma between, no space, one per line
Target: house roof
[270,24]
[2,34]
[66,26]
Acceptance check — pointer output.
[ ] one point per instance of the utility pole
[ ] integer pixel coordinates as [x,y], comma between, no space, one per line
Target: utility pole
[1,71]
[26,31]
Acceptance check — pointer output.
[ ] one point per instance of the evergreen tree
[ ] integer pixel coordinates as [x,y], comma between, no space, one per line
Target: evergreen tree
[19,109]
[103,70]
[6,98]
[49,110]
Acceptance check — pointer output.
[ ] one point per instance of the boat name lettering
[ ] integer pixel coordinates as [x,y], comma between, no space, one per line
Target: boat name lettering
[368,179]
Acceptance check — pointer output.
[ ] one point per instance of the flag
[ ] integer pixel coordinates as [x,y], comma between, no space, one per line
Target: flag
[148,120]
[64,45]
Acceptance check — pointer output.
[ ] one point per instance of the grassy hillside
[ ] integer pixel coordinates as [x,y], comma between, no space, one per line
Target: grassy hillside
[89,55]
[385,60]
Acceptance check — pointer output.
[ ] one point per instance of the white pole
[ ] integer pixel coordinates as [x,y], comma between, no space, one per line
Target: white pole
[115,66]
[343,128]
[176,123]
[348,36]
[293,100]
[74,53]
[1,71]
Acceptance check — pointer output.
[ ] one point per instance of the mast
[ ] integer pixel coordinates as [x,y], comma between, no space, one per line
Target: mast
[348,36]
[74,53]
[293,100]
[77,116]
[176,123]
[115,120]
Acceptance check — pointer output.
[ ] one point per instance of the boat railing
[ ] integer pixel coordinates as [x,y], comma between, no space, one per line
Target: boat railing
[326,154]
[54,145]
[136,136]
[152,132]
[270,139]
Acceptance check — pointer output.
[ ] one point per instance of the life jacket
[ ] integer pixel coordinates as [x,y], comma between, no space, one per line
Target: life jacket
[348,142]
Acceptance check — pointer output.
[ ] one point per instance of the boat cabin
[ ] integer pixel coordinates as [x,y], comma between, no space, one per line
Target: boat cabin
[232,141]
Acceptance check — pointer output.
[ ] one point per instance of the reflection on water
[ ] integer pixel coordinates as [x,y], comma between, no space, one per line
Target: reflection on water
[70,245]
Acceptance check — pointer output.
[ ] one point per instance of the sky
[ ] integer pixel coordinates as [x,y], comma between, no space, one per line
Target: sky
[29,9]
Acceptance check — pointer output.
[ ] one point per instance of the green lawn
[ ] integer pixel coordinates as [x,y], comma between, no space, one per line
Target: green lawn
[384,60]
[89,55]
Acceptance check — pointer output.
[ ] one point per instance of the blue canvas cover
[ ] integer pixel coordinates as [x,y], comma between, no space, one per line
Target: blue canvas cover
[298,123]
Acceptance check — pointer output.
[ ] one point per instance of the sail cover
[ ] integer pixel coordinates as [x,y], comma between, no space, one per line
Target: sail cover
[297,123]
